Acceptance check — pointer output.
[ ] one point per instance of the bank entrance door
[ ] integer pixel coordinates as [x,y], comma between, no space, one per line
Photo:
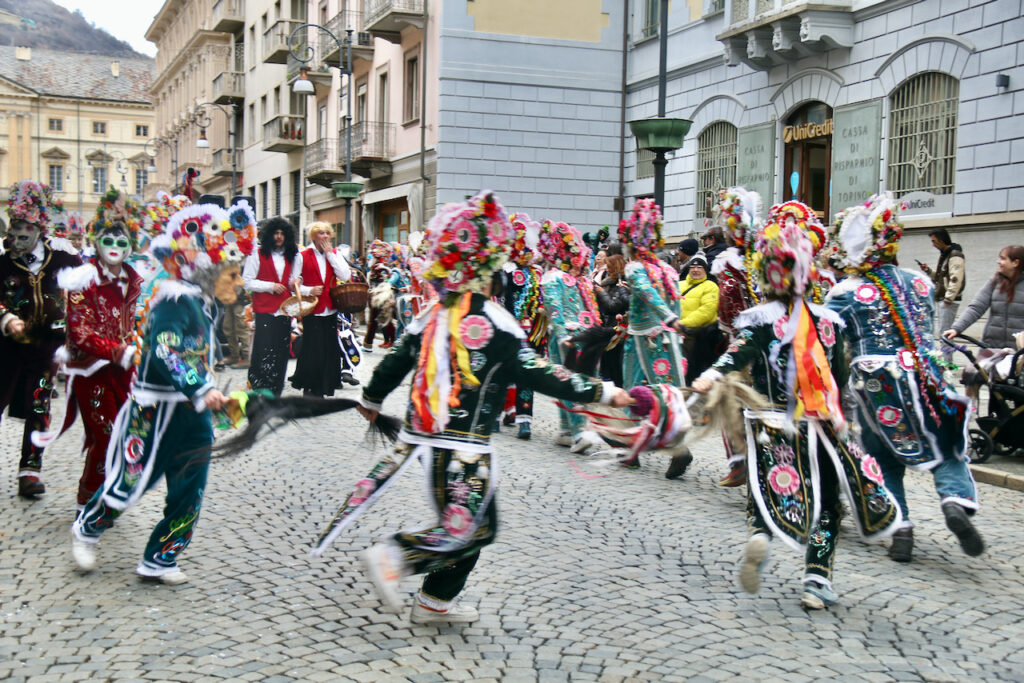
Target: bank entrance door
[807,136]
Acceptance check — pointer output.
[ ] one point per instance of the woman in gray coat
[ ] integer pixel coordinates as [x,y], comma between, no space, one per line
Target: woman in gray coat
[1003,298]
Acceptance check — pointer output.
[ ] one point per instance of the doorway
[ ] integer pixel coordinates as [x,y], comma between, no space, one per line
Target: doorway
[393,220]
[807,136]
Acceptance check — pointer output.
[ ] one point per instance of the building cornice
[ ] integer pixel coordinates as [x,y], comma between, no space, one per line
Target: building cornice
[161,16]
[199,39]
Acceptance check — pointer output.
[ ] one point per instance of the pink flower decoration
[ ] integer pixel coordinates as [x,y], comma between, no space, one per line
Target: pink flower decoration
[569,280]
[465,235]
[457,520]
[362,491]
[519,278]
[869,466]
[779,327]
[866,293]
[784,480]
[661,367]
[475,331]
[906,359]
[784,454]
[826,332]
[889,415]
[920,286]
[587,319]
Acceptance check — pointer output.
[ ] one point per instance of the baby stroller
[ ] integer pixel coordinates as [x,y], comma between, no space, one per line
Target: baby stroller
[1001,431]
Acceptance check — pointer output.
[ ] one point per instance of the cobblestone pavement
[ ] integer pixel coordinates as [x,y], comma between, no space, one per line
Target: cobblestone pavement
[626,576]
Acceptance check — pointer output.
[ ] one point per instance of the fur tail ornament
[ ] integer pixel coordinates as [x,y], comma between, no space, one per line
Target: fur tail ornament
[725,403]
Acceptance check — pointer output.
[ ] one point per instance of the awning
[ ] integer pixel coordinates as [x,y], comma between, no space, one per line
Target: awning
[393,192]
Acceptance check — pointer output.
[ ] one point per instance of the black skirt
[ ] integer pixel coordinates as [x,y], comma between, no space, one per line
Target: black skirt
[318,364]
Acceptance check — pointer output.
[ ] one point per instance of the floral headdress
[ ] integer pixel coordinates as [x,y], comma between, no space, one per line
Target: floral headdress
[381,251]
[642,230]
[159,213]
[801,215]
[524,248]
[32,202]
[562,247]
[868,235]
[783,254]
[205,236]
[467,243]
[738,216]
[115,206]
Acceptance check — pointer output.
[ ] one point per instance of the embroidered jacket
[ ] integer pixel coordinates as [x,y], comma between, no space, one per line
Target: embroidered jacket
[177,347]
[563,302]
[734,295]
[36,297]
[522,283]
[101,317]
[498,357]
[758,345]
[649,311]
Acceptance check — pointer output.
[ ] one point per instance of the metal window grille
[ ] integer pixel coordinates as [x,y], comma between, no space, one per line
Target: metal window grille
[296,190]
[277,196]
[263,200]
[922,134]
[644,163]
[716,163]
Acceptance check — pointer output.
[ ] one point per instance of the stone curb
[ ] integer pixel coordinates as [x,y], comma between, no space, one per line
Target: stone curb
[990,475]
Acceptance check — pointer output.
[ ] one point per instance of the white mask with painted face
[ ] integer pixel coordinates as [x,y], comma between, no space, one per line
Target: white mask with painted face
[24,237]
[113,247]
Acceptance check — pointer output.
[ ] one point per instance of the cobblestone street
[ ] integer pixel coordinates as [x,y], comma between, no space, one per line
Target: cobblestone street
[623,576]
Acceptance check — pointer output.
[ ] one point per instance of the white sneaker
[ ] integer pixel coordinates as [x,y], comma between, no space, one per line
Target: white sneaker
[587,440]
[754,558]
[173,578]
[563,439]
[84,554]
[457,613]
[384,567]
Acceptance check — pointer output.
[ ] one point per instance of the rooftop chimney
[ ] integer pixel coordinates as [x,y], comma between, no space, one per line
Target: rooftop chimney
[23,54]
[115,68]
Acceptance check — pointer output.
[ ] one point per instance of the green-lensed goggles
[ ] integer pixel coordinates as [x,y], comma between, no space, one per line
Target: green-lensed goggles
[119,242]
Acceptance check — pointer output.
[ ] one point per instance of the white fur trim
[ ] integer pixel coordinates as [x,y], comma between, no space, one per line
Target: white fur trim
[729,257]
[845,286]
[711,375]
[78,278]
[503,320]
[128,356]
[61,244]
[768,313]
[174,289]
[552,276]
[607,391]
[821,312]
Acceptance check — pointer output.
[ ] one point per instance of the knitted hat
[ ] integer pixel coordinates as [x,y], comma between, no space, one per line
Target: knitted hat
[205,236]
[699,259]
[689,246]
[32,202]
[642,230]
[562,246]
[467,243]
[867,235]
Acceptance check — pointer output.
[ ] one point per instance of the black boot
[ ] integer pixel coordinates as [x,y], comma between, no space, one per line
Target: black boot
[902,548]
[524,431]
[678,464]
[30,487]
[960,524]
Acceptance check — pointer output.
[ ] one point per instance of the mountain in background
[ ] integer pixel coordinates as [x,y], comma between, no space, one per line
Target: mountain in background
[55,28]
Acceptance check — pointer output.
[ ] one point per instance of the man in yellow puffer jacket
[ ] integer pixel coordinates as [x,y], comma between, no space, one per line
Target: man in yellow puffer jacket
[698,312]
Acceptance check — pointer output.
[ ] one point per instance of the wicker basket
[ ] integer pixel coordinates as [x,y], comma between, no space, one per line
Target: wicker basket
[350,297]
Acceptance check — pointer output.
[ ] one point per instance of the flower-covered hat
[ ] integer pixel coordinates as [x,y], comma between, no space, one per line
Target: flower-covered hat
[381,251]
[115,206]
[32,202]
[205,236]
[783,254]
[467,242]
[867,235]
[524,248]
[642,230]
[738,215]
[562,246]
[801,215]
[159,213]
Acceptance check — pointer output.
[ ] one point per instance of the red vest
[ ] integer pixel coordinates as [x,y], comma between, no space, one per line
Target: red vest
[311,278]
[265,302]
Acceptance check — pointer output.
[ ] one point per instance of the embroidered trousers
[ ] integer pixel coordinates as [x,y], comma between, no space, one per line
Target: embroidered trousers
[26,386]
[99,398]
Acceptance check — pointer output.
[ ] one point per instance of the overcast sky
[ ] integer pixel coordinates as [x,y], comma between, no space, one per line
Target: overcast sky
[123,19]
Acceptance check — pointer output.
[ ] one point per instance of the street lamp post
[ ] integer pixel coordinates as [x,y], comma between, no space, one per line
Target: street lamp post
[172,146]
[201,119]
[347,190]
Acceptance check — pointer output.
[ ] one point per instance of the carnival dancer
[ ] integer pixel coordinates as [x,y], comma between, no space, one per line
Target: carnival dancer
[798,455]
[168,419]
[318,365]
[910,416]
[382,298]
[32,320]
[571,307]
[99,352]
[524,299]
[464,351]
[272,273]
[738,214]
[350,353]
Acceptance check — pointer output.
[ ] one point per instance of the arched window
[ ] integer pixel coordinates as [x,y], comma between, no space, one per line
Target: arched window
[922,134]
[716,163]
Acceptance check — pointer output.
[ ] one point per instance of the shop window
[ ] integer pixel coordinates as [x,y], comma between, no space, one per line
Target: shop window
[716,163]
[922,134]
[807,136]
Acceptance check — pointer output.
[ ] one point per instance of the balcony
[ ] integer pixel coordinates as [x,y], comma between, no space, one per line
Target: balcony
[228,16]
[362,41]
[386,18]
[373,145]
[221,164]
[275,41]
[766,33]
[323,164]
[229,87]
[285,133]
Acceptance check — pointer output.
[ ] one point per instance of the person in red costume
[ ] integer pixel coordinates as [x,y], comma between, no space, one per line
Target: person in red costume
[98,356]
